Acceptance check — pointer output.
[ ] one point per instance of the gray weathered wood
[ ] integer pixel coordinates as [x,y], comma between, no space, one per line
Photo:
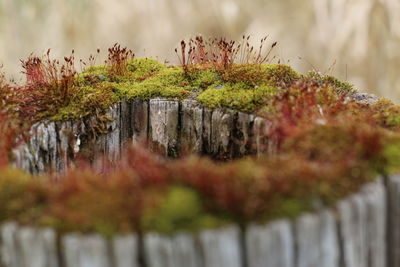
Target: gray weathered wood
[394,221]
[9,250]
[78,130]
[270,245]
[243,136]
[112,145]
[125,122]
[164,118]
[374,195]
[35,146]
[37,247]
[69,144]
[222,127]
[71,250]
[65,135]
[329,239]
[140,119]
[47,141]
[260,139]
[221,247]
[353,231]
[85,251]
[23,158]
[206,140]
[317,240]
[175,251]
[96,146]
[39,152]
[264,141]
[307,241]
[191,129]
[125,250]
[169,124]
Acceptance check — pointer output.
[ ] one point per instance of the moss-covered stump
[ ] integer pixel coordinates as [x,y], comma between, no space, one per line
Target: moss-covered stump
[224,111]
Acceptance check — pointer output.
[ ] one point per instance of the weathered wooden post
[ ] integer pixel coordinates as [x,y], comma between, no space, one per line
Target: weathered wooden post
[164,122]
[221,247]
[206,136]
[64,133]
[39,153]
[375,198]
[125,251]
[353,231]
[37,247]
[222,127]
[9,250]
[85,251]
[191,131]
[243,136]
[175,251]
[140,119]
[47,142]
[113,144]
[260,138]
[23,158]
[125,122]
[316,239]
[270,245]
[394,221]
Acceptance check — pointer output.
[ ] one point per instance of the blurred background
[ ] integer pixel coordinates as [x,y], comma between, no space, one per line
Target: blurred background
[355,40]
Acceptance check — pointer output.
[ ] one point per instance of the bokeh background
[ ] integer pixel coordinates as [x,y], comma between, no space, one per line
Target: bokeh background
[359,38]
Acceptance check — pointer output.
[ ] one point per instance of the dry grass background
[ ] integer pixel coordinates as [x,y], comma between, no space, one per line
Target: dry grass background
[361,36]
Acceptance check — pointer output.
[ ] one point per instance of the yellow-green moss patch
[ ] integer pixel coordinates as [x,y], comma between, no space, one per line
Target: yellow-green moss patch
[236,96]
[87,101]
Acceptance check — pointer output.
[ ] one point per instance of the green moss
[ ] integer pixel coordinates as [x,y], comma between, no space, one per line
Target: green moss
[173,76]
[88,100]
[204,78]
[276,75]
[236,96]
[168,83]
[326,80]
[180,208]
[96,70]
[138,70]
[93,74]
[143,68]
[148,90]
[245,87]
[280,75]
[387,114]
